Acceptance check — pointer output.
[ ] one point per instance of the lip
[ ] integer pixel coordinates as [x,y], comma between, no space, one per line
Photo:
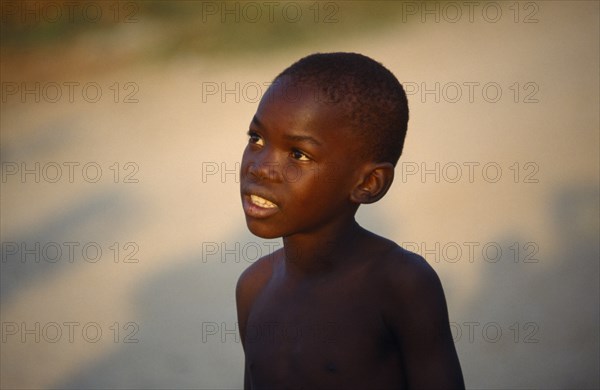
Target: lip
[255,211]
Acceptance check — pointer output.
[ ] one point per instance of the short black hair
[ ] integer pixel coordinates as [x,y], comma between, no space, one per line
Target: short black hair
[371,97]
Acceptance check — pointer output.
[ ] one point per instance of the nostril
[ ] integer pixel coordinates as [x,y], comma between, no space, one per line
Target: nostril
[254,171]
[266,170]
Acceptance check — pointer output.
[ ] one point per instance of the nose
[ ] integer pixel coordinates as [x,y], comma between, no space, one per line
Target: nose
[263,171]
[264,166]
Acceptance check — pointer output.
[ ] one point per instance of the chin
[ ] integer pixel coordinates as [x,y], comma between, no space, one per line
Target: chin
[262,230]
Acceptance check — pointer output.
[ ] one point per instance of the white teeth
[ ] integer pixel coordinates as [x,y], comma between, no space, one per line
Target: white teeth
[262,202]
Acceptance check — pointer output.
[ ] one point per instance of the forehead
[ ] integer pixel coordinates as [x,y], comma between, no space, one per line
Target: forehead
[296,107]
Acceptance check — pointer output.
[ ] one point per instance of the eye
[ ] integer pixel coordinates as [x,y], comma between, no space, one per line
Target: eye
[254,138]
[298,155]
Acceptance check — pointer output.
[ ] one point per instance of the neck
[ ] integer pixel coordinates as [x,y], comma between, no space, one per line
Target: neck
[321,251]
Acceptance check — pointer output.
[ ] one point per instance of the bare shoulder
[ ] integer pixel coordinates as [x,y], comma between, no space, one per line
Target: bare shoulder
[259,271]
[394,264]
[407,279]
[407,268]
[256,276]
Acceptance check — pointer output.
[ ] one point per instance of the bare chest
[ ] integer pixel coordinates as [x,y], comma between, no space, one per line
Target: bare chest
[324,332]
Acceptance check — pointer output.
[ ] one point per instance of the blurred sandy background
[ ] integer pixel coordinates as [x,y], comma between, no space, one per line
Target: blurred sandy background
[121,248]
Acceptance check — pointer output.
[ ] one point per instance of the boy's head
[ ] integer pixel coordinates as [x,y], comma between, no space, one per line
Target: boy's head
[371,99]
[325,138]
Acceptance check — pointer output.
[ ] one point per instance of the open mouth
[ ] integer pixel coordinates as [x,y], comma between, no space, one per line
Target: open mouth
[258,207]
[262,202]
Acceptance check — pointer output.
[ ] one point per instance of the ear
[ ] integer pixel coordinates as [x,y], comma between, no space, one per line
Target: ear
[374,183]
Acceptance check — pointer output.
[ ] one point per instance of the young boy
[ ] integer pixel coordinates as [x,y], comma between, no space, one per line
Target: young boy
[337,307]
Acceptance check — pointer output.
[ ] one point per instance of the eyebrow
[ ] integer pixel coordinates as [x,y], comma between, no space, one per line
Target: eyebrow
[291,137]
[257,122]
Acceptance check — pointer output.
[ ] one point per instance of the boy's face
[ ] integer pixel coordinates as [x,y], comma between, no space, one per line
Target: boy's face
[300,164]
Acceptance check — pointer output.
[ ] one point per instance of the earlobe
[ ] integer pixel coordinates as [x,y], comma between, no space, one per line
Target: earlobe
[374,183]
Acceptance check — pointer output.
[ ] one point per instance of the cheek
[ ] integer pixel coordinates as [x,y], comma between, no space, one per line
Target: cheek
[246,152]
[335,176]
[294,174]
[246,161]
[319,185]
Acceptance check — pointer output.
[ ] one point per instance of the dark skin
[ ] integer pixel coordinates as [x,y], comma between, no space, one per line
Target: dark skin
[337,307]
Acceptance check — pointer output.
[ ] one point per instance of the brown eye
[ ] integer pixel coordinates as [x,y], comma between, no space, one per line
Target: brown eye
[298,155]
[254,138]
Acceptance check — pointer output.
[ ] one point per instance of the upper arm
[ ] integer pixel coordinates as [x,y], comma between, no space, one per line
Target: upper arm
[242,303]
[249,285]
[418,317]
